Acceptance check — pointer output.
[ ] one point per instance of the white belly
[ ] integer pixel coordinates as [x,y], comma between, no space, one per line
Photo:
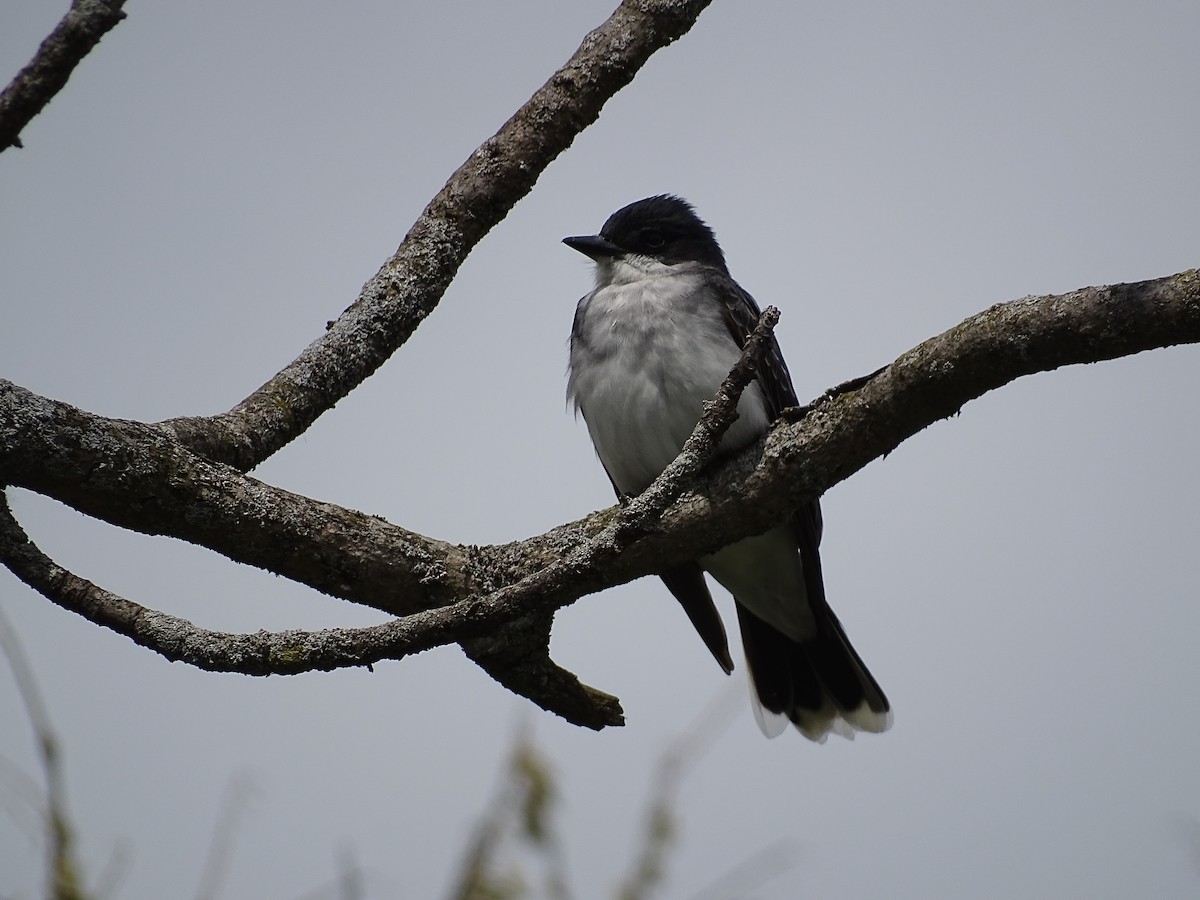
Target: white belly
[653,357]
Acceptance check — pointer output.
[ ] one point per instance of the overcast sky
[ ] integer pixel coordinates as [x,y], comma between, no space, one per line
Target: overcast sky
[219,179]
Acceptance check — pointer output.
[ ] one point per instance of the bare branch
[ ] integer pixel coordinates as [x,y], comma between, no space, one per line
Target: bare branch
[47,73]
[934,380]
[132,475]
[293,652]
[410,284]
[517,656]
[261,653]
[98,465]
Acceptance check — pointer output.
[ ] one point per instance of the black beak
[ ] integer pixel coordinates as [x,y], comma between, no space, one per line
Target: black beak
[594,246]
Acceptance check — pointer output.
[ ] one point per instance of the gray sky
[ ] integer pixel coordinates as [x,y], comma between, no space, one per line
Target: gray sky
[219,179]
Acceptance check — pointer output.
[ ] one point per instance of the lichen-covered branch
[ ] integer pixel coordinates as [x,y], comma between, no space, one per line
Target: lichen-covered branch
[133,475]
[531,674]
[411,283]
[934,380]
[81,29]
[260,653]
[515,652]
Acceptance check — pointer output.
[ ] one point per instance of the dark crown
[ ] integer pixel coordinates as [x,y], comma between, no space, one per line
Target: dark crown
[665,227]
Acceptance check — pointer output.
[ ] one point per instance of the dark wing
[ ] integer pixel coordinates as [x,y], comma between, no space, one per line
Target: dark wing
[804,681]
[741,318]
[686,582]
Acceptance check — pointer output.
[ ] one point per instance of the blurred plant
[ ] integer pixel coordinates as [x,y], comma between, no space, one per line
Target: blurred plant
[518,831]
[63,881]
[519,819]
[517,834]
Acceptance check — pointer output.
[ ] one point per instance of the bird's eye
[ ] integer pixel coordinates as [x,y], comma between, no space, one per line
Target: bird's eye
[654,239]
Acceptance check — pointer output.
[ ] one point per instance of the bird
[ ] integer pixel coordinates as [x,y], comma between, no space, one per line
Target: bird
[650,344]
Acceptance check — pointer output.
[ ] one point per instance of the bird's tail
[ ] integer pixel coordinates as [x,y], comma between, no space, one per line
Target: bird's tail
[819,684]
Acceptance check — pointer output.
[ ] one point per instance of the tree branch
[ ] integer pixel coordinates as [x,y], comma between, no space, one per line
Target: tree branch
[112,470]
[517,655]
[411,283]
[72,39]
[934,380]
[261,653]
[131,475]
[98,465]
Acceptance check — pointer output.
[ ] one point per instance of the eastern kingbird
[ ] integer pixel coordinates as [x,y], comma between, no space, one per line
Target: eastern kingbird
[649,346]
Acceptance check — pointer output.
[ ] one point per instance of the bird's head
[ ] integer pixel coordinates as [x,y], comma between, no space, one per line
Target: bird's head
[648,237]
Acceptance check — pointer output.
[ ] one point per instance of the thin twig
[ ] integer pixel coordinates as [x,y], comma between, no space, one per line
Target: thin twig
[633,516]
[701,446]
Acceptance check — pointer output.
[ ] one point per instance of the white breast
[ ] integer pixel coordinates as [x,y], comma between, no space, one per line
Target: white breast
[647,354]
